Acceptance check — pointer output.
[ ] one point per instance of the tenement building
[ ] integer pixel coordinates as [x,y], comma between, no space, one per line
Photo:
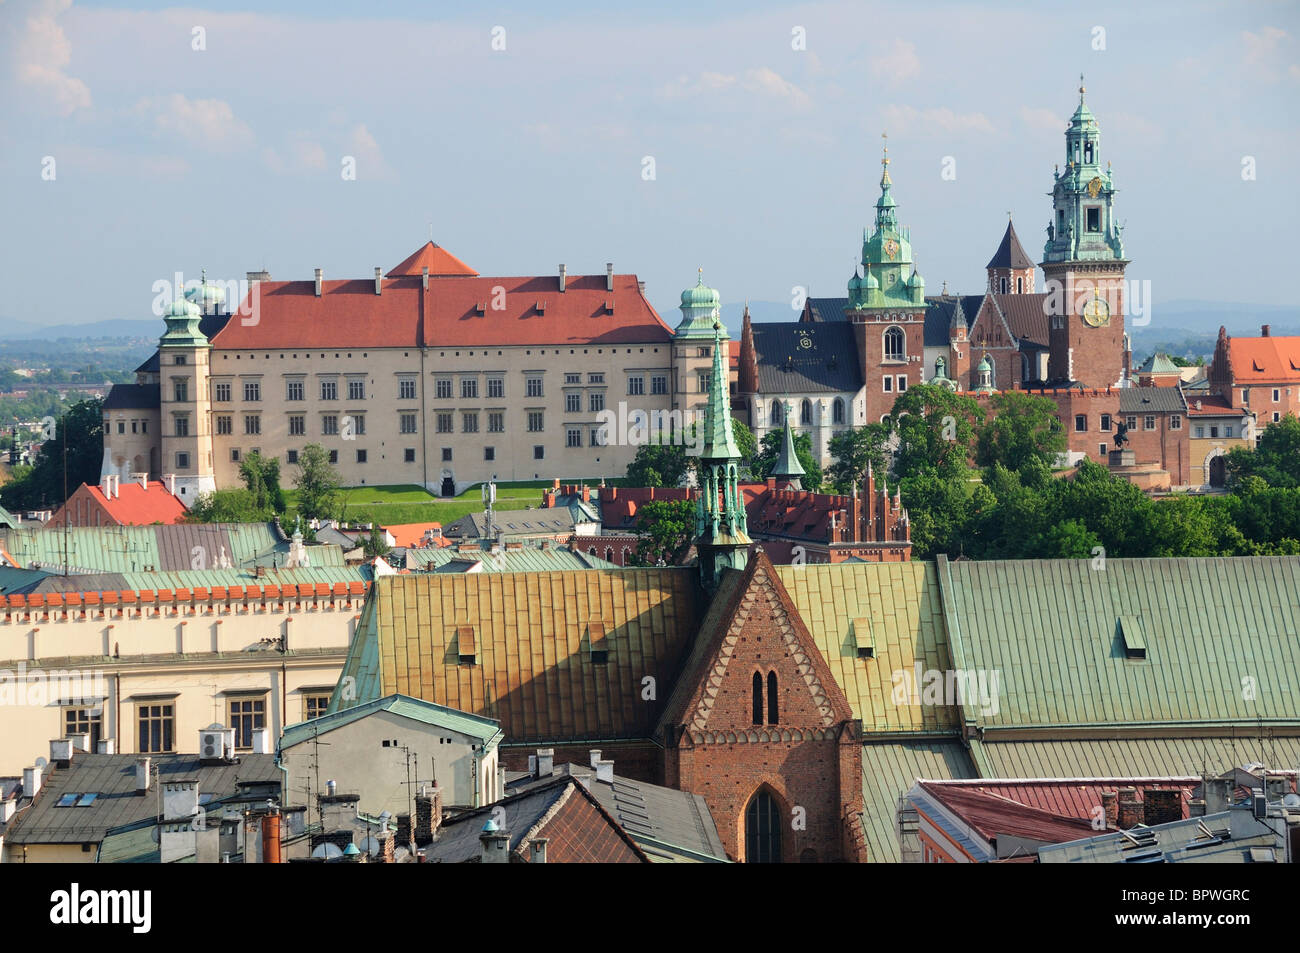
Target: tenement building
[431,374]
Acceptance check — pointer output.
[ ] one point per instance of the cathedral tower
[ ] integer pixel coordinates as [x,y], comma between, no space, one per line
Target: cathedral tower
[722,533]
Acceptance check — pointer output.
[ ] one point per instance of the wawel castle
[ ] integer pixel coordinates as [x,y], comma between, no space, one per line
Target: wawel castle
[433,374]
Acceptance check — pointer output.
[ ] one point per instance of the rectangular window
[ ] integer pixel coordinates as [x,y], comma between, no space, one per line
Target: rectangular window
[297,425]
[252,424]
[135,425]
[636,385]
[659,384]
[291,456]
[181,359]
[442,388]
[902,383]
[334,456]
[471,423]
[182,426]
[1094,220]
[1200,432]
[406,389]
[221,393]
[356,390]
[597,377]
[234,454]
[597,402]
[496,387]
[247,715]
[1149,422]
[1277,418]
[705,378]
[357,423]
[180,391]
[597,438]
[572,403]
[1175,422]
[361,456]
[329,390]
[81,721]
[1101,449]
[121,426]
[573,437]
[1080,423]
[252,390]
[329,425]
[157,729]
[535,421]
[182,461]
[408,455]
[469,388]
[445,424]
[293,390]
[144,426]
[496,422]
[314,704]
[1227,430]
[1277,394]
[1131,422]
[1214,432]
[573,378]
[446,454]
[1105,423]
[489,454]
[889,384]
[406,423]
[534,387]
[539,453]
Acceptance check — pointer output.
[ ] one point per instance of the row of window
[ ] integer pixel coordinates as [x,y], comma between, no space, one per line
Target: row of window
[806,408]
[139,425]
[1130,421]
[295,390]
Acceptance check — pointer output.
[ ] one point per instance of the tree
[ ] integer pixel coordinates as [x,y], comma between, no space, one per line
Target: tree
[770,449]
[935,429]
[746,444]
[658,464]
[228,506]
[1022,427]
[1276,460]
[262,477]
[376,544]
[666,528]
[318,484]
[853,451]
[82,427]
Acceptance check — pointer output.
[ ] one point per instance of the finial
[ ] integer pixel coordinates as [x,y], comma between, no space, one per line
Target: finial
[203,276]
[885,160]
[700,281]
[1082,89]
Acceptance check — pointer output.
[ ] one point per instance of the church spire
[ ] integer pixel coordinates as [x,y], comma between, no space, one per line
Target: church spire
[787,470]
[722,532]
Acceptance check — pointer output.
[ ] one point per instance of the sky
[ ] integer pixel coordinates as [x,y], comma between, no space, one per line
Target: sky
[138,140]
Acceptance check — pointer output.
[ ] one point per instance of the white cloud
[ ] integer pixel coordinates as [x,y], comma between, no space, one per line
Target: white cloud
[907,120]
[1042,119]
[1137,129]
[770,83]
[97,160]
[40,53]
[898,65]
[763,81]
[210,123]
[1262,52]
[370,158]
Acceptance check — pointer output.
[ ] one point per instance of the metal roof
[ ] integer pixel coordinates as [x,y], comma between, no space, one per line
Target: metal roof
[199,578]
[1151,400]
[1234,836]
[112,778]
[1050,628]
[524,559]
[799,357]
[1132,757]
[487,731]
[889,769]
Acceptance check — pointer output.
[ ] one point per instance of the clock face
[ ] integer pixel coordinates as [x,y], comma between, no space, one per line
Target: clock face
[891,248]
[1096,312]
[1094,186]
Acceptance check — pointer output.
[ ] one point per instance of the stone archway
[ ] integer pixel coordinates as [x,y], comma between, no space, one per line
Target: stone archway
[1215,470]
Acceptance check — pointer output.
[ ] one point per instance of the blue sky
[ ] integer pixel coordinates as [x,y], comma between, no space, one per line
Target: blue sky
[766,157]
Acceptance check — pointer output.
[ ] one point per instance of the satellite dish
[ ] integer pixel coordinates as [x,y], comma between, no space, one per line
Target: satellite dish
[153,834]
[327,851]
[1291,802]
[215,726]
[370,845]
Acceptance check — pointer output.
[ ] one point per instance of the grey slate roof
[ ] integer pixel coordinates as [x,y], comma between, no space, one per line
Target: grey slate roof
[458,838]
[1151,400]
[826,309]
[828,364]
[112,778]
[1236,838]
[938,316]
[1026,316]
[657,818]
[1010,254]
[133,397]
[538,522]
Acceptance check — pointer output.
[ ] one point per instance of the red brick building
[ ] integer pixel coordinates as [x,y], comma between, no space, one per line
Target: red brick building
[140,502]
[1261,374]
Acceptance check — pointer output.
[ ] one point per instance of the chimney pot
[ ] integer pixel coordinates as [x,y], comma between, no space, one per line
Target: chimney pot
[142,779]
[605,771]
[538,848]
[545,762]
[563,274]
[595,757]
[379,279]
[318,282]
[32,778]
[640,287]
[107,746]
[1264,329]
[609,276]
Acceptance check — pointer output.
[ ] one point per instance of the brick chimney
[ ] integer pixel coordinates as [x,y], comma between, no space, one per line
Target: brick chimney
[1162,805]
[428,815]
[1110,805]
[586,493]
[1130,808]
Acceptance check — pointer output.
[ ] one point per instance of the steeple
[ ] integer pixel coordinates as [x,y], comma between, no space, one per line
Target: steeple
[787,470]
[889,276]
[722,532]
[1083,227]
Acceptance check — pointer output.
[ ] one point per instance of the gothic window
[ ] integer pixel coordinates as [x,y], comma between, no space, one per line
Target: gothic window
[895,345]
[777,417]
[771,699]
[837,412]
[758,698]
[805,412]
[763,830]
[1020,286]
[1004,286]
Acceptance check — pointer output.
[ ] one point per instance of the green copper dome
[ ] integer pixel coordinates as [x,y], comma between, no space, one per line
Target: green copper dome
[207,296]
[701,296]
[870,282]
[180,308]
[916,281]
[855,283]
[700,309]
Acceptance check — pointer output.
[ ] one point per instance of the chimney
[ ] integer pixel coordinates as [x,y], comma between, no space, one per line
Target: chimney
[403,829]
[424,277]
[318,282]
[609,276]
[106,484]
[586,493]
[595,757]
[532,765]
[495,844]
[563,273]
[545,762]
[31,780]
[262,741]
[605,771]
[142,778]
[170,480]
[538,848]
[144,480]
[80,741]
[1162,805]
[331,787]
[428,815]
[1196,807]
[1110,805]
[61,752]
[640,287]
[1130,813]
[1217,793]
[255,276]
[379,279]
[107,746]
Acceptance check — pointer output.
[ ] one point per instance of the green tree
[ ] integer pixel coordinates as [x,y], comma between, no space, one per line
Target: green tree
[935,429]
[235,505]
[82,427]
[261,475]
[1021,427]
[666,528]
[1069,539]
[318,484]
[1276,460]
[853,451]
[746,444]
[770,448]
[659,464]
[376,544]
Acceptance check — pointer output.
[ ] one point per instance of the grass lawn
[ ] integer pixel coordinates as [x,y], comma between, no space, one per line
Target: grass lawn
[410,503]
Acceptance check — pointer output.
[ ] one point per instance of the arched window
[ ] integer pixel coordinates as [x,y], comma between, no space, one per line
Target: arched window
[758,698]
[778,417]
[895,344]
[771,699]
[1020,286]
[763,830]
[837,410]
[1004,286]
[609,554]
[805,412]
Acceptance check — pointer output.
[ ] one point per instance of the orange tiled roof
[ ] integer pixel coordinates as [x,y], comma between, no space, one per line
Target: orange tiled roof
[1264,359]
[134,505]
[408,535]
[1210,405]
[441,263]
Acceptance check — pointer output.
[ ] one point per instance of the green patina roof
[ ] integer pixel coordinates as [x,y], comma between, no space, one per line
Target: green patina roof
[1159,364]
[890,278]
[787,461]
[1215,632]
[888,771]
[525,559]
[485,730]
[719,437]
[182,319]
[700,309]
[7,519]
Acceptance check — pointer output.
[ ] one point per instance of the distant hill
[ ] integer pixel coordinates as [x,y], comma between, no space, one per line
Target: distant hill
[111,328]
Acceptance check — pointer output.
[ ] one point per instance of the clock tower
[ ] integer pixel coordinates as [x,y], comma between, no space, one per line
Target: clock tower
[1083,264]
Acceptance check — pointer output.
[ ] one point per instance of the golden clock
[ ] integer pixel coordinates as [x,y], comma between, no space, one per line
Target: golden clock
[1096,313]
[1094,186]
[891,248]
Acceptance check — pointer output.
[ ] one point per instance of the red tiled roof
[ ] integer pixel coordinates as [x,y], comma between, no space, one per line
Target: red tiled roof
[619,505]
[1074,797]
[993,815]
[454,312]
[1264,359]
[407,535]
[1211,405]
[440,262]
[134,505]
